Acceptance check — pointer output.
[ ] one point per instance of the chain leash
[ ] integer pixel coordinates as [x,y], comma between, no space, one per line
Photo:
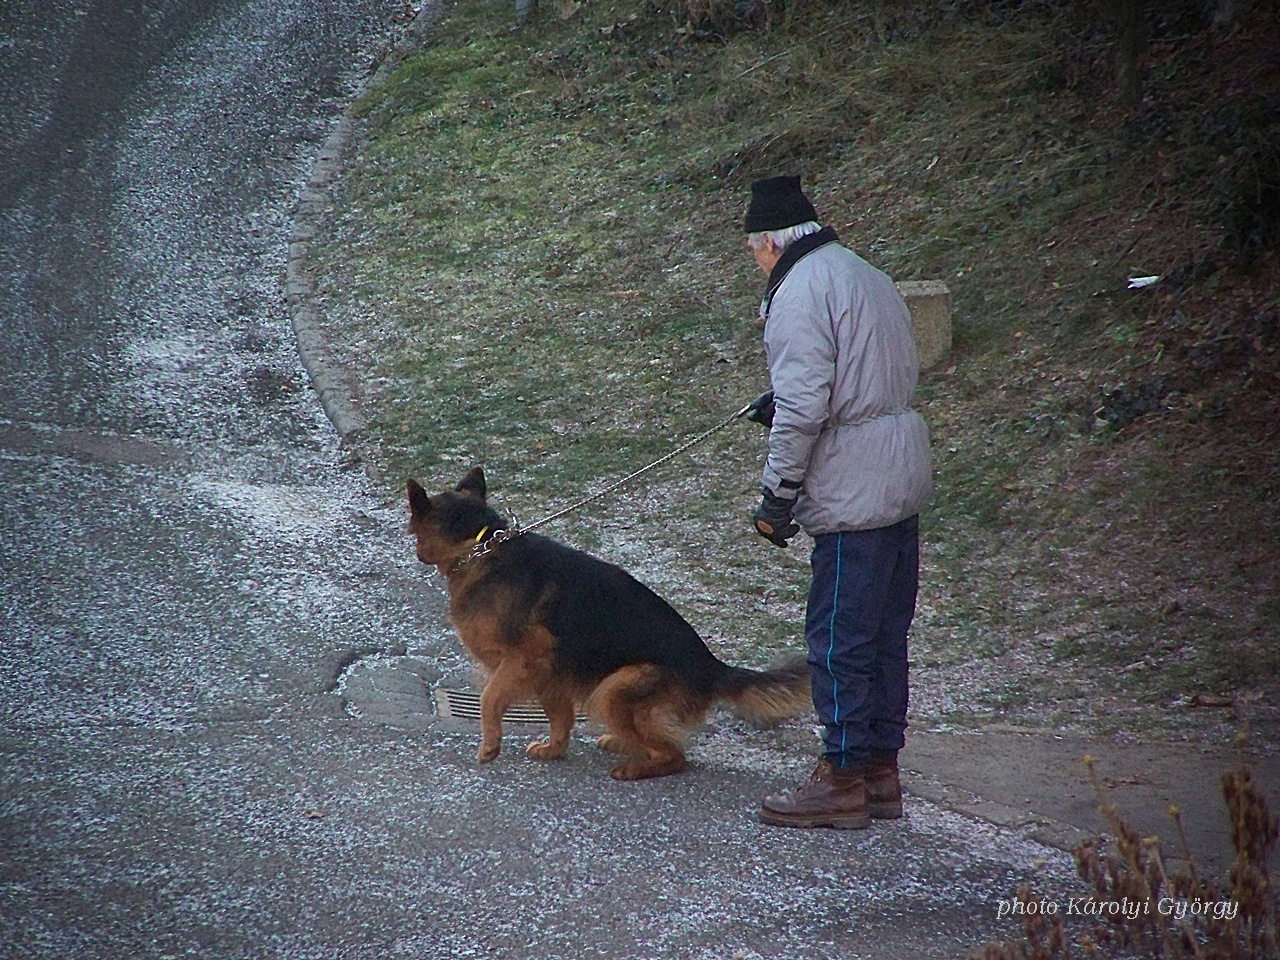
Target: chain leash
[515,530]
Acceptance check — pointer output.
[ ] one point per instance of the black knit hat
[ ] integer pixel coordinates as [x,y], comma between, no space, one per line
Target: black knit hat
[777,203]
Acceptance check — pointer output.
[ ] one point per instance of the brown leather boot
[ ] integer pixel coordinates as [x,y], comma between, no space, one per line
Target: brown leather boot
[831,798]
[884,791]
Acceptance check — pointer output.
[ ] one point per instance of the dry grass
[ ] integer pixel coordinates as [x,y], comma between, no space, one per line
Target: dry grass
[537,267]
[1163,913]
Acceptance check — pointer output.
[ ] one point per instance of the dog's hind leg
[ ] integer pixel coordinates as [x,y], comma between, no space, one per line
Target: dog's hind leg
[612,703]
[662,732]
[559,707]
[645,719]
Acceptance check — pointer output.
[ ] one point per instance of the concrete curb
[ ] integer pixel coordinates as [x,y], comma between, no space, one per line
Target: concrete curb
[327,377]
[1045,830]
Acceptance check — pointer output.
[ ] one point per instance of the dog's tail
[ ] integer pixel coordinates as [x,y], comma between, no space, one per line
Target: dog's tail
[764,697]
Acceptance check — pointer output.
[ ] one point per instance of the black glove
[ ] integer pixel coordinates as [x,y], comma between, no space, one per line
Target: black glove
[773,519]
[761,410]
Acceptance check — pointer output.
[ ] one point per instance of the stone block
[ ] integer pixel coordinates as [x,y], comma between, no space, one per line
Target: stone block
[930,304]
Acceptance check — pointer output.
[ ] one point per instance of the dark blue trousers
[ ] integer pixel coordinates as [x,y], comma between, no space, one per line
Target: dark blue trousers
[861,603]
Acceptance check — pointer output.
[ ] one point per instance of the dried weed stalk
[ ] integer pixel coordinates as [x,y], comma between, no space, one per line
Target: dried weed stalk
[1163,920]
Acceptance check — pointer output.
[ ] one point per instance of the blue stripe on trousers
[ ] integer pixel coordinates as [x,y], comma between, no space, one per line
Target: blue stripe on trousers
[831,631]
[861,604]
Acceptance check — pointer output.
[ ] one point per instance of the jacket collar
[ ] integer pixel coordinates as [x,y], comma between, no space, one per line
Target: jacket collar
[790,257]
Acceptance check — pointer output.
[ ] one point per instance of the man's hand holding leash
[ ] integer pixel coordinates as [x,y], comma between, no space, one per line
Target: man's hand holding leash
[760,410]
[772,518]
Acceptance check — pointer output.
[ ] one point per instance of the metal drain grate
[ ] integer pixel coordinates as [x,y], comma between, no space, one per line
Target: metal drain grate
[465,705]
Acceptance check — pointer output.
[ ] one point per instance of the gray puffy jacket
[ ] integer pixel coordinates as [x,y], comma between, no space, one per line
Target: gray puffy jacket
[843,365]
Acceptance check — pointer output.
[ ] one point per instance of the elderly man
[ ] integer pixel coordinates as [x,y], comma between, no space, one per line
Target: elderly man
[849,462]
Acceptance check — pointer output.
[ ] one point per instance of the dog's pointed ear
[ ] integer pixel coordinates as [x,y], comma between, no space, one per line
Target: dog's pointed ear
[419,504]
[473,483]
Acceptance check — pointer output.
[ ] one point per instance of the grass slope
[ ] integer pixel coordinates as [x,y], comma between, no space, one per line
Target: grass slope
[537,266]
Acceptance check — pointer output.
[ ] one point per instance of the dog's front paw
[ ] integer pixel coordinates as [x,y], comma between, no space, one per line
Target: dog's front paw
[544,750]
[489,750]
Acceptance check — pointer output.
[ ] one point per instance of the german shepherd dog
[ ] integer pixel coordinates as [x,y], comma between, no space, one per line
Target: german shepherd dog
[552,623]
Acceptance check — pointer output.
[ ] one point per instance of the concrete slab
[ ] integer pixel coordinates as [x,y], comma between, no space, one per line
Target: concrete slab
[1039,777]
[930,304]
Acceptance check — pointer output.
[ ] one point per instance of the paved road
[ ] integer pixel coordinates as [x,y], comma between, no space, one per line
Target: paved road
[202,614]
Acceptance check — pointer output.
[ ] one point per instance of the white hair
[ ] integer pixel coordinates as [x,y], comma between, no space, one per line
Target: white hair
[783,238]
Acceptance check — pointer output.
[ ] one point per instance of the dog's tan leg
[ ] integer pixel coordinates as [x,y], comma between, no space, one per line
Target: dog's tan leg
[659,764]
[662,723]
[661,755]
[505,686]
[559,710]
[645,719]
